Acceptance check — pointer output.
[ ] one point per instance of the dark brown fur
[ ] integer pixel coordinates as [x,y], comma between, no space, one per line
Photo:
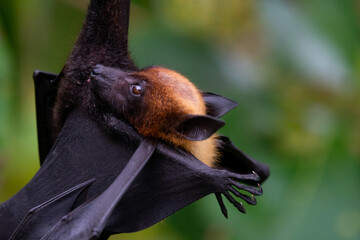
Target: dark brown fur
[102,40]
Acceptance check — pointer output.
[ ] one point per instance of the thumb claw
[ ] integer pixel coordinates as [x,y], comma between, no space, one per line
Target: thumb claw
[256,175]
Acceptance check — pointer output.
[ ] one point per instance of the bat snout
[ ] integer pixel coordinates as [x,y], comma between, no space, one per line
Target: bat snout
[99,79]
[97,70]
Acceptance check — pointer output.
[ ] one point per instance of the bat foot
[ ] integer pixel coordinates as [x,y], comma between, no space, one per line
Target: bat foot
[232,184]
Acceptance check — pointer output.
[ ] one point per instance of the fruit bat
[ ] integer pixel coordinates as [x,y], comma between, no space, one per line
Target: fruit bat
[94,182]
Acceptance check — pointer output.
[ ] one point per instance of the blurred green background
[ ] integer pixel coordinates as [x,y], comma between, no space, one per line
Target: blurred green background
[293,66]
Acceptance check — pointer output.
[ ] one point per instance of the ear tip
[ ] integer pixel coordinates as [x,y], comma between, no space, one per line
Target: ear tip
[234,103]
[221,123]
[218,105]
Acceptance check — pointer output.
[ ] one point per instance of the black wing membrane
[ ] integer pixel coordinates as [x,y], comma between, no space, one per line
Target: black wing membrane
[36,222]
[88,221]
[81,152]
[233,159]
[46,85]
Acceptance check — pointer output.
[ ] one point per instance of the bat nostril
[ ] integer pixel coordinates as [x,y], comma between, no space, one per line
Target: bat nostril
[95,72]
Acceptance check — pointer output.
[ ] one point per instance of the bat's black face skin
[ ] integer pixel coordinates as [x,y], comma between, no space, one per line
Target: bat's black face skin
[102,82]
[121,92]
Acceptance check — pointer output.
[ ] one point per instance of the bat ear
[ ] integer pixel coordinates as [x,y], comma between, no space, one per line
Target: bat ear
[199,127]
[217,105]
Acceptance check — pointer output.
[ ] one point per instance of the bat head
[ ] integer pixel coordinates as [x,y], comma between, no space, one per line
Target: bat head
[157,101]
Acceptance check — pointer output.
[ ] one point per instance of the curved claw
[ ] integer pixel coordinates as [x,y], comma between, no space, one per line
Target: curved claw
[256,175]
[256,191]
[250,200]
[222,205]
[238,205]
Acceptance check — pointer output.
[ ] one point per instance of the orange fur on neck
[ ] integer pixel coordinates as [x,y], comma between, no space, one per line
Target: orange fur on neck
[170,98]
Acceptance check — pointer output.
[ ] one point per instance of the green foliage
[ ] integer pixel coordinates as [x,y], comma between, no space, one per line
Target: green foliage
[293,67]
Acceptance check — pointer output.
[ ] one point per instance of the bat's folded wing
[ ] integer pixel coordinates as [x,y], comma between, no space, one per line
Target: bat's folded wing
[46,85]
[39,219]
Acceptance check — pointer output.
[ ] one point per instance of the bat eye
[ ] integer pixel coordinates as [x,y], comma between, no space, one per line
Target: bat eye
[135,89]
